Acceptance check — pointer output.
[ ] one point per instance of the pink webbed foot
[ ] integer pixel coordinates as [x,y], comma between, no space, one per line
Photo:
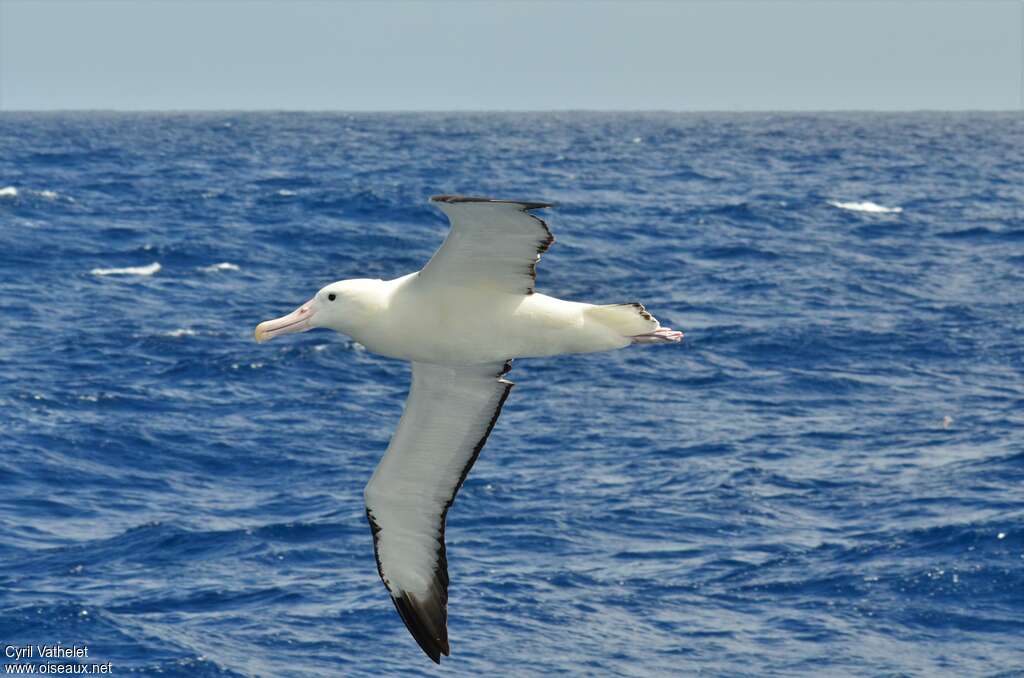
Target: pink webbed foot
[662,335]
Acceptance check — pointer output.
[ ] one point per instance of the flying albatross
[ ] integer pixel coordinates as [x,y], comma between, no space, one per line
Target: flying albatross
[460,321]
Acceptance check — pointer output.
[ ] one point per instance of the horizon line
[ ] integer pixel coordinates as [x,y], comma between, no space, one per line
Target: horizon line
[507,110]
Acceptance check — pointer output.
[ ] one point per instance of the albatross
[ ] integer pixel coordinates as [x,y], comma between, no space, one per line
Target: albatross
[460,321]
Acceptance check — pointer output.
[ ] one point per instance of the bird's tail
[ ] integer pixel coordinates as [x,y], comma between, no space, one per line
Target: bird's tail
[633,321]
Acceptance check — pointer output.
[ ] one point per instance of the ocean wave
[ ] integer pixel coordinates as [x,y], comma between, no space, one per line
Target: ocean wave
[129,270]
[865,206]
[46,194]
[222,266]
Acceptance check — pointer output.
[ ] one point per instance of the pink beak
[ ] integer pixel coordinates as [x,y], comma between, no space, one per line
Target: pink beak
[296,321]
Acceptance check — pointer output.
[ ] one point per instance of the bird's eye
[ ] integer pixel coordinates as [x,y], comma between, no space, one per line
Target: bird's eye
[332,296]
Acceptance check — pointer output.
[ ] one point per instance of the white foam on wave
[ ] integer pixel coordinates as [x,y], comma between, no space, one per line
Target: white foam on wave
[180,332]
[865,206]
[284,192]
[129,270]
[252,366]
[222,266]
[13,192]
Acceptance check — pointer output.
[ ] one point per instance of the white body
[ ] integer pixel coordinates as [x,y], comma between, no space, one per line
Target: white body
[426,322]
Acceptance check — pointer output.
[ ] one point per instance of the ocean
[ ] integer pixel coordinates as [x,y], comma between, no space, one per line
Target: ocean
[825,478]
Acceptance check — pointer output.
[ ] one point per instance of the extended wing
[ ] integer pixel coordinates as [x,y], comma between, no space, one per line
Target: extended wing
[492,243]
[448,415]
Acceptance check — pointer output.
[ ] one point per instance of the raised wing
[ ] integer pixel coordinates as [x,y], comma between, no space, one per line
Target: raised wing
[492,243]
[448,415]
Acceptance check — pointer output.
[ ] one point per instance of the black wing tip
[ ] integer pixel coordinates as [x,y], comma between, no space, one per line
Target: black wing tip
[525,204]
[427,620]
[427,623]
[640,309]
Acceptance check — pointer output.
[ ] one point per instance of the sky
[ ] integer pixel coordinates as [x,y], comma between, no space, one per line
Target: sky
[512,55]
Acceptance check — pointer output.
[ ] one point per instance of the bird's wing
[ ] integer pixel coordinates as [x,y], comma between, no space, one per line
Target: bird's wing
[448,415]
[491,243]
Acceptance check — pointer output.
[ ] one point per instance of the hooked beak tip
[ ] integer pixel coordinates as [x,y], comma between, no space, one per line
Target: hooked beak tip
[296,321]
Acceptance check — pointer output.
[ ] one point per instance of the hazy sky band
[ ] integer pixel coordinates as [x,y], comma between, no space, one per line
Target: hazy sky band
[523,55]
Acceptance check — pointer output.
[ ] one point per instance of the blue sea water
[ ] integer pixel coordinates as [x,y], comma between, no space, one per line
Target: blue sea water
[826,477]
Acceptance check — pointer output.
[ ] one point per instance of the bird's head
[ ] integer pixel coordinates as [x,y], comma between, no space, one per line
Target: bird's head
[342,306]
